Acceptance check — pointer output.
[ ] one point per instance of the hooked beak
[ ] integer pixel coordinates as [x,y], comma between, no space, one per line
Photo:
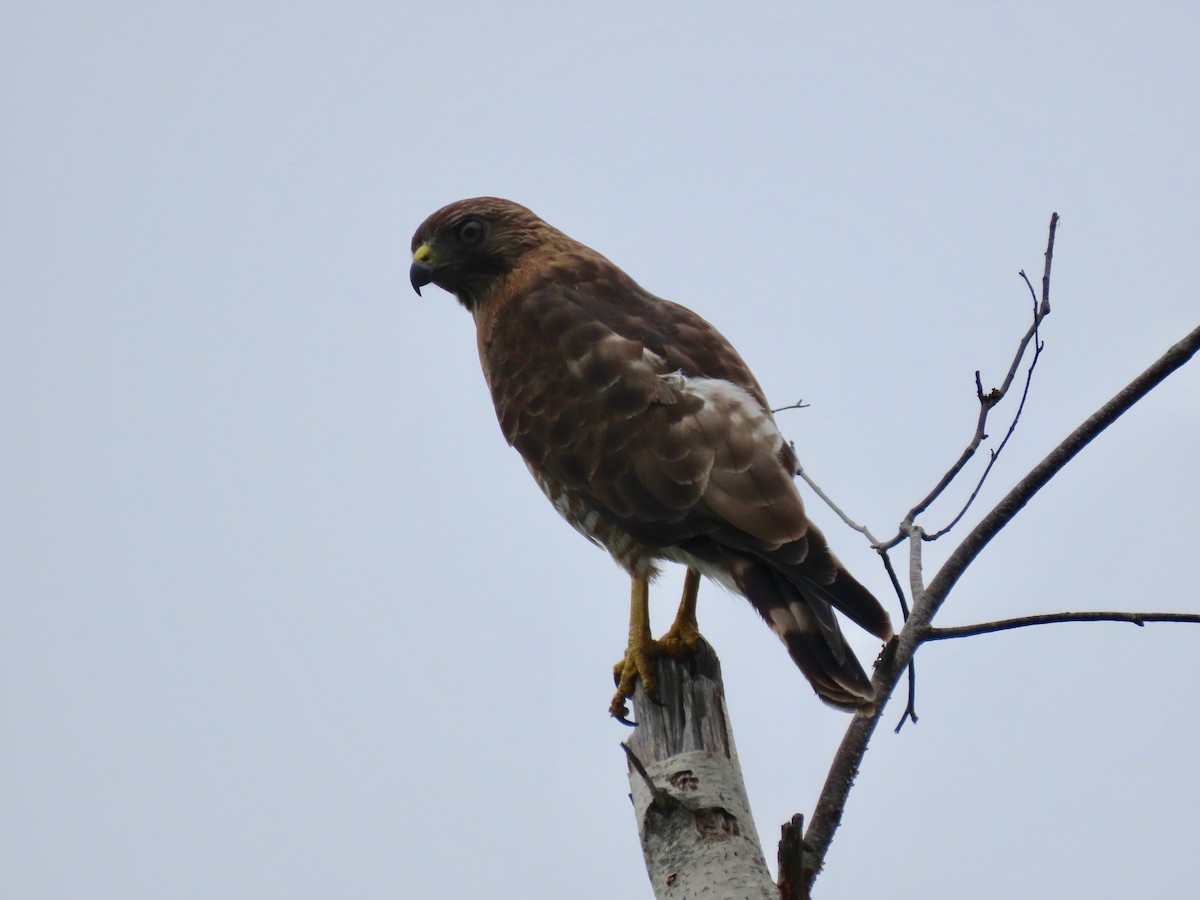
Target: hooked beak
[420,273]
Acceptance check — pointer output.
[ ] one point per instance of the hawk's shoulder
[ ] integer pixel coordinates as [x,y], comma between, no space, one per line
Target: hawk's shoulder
[572,300]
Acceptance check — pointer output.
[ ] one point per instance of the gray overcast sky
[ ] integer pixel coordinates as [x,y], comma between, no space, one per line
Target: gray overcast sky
[284,617]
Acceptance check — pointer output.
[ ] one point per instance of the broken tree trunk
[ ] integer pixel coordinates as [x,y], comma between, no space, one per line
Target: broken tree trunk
[693,816]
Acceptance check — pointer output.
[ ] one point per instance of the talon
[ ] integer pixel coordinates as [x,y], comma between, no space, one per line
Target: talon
[638,663]
[681,638]
[619,709]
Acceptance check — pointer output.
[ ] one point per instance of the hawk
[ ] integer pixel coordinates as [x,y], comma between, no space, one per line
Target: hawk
[649,434]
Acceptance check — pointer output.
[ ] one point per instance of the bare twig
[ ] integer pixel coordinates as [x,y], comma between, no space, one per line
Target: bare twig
[910,709]
[916,574]
[989,400]
[1135,618]
[861,529]
[1044,309]
[830,805]
[916,582]
[995,454]
[1029,284]
[1176,356]
[887,564]
[799,404]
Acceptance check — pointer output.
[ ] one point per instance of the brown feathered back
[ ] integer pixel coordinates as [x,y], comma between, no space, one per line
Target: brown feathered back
[645,428]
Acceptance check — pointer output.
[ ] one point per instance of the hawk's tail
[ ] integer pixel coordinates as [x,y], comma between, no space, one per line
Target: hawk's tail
[805,622]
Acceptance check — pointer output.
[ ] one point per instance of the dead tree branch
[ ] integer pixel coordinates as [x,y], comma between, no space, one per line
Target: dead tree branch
[1012,503]
[988,401]
[1134,618]
[927,601]
[995,454]
[828,501]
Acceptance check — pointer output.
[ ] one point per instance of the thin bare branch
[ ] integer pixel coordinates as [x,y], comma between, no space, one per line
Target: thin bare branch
[910,709]
[799,404]
[861,529]
[1029,284]
[1135,618]
[995,454]
[989,400]
[1012,503]
[827,814]
[887,565]
[986,403]
[1044,309]
[916,579]
[916,574]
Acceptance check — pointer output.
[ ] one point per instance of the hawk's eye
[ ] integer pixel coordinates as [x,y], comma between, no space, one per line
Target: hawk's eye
[470,231]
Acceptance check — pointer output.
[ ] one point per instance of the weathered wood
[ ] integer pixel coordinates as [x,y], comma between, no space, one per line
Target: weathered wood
[794,876]
[697,834]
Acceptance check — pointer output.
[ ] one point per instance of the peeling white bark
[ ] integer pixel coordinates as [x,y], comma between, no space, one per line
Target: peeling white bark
[697,833]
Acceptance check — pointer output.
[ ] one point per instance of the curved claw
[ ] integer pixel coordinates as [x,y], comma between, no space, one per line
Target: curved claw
[680,639]
[638,663]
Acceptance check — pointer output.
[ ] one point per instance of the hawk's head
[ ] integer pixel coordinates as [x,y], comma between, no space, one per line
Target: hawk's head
[467,247]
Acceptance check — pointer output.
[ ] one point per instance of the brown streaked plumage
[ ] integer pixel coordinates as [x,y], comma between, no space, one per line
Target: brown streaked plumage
[648,433]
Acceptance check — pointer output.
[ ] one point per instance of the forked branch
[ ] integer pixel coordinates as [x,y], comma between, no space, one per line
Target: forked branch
[929,599]
[987,402]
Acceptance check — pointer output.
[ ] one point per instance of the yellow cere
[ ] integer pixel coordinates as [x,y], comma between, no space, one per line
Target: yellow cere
[422,253]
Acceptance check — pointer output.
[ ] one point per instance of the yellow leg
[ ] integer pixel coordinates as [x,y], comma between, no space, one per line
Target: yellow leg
[637,660]
[684,632]
[639,655]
